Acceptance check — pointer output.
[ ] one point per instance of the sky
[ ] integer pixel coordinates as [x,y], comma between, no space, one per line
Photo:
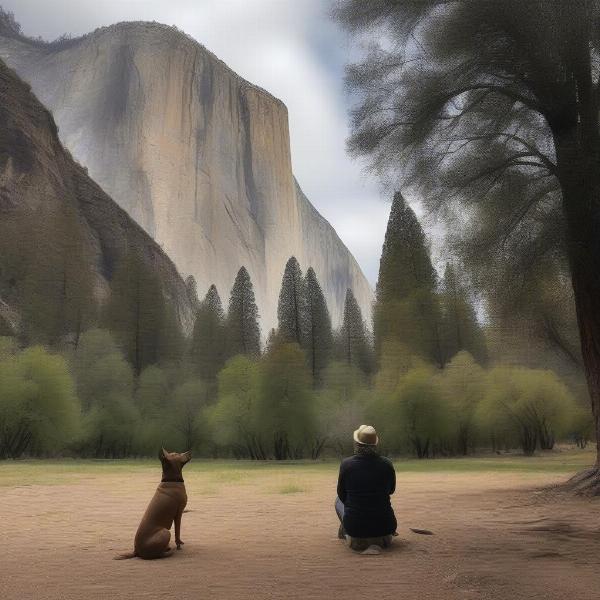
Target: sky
[289,47]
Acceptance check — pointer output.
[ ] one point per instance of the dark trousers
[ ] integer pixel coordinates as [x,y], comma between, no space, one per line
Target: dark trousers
[339,509]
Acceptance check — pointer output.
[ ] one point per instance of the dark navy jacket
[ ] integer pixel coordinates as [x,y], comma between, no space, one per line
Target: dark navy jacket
[364,486]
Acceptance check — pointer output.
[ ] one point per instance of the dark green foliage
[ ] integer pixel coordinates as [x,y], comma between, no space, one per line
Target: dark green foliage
[353,344]
[143,324]
[185,416]
[491,109]
[317,336]
[461,331]
[209,339]
[285,411]
[105,387]
[290,309]
[407,306]
[46,271]
[405,263]
[243,332]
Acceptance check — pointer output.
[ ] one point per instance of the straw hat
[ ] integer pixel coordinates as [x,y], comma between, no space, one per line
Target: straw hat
[366,436]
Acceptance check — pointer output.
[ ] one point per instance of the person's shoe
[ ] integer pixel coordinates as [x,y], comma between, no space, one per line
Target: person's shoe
[341,533]
[373,549]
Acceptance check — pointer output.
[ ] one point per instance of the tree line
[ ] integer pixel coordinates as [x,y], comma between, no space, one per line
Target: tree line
[127,380]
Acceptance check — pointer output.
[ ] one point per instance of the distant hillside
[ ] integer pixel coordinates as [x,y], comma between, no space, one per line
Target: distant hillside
[56,222]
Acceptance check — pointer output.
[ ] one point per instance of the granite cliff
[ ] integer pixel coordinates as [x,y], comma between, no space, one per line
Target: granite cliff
[199,157]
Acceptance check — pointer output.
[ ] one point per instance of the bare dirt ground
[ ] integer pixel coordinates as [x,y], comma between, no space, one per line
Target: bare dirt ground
[272,534]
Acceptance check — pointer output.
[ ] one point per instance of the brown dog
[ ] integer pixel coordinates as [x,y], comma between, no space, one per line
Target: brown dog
[153,534]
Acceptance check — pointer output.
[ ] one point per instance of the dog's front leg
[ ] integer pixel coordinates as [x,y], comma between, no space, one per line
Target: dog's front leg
[178,529]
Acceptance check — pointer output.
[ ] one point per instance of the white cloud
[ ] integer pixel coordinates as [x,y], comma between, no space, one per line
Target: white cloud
[288,47]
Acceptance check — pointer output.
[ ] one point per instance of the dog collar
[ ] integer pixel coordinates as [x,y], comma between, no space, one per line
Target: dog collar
[180,480]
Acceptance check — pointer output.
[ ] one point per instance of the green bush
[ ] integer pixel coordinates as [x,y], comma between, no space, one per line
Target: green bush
[39,411]
[525,407]
[416,417]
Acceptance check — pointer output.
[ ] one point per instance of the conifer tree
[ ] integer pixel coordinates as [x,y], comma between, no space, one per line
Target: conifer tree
[138,316]
[354,347]
[317,337]
[405,263]
[52,276]
[290,308]
[208,338]
[461,330]
[243,332]
[407,306]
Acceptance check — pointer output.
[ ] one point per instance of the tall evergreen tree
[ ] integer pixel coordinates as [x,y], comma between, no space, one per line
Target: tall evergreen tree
[208,338]
[243,332]
[461,330]
[354,346]
[47,271]
[405,263]
[290,308]
[407,306]
[317,337]
[138,315]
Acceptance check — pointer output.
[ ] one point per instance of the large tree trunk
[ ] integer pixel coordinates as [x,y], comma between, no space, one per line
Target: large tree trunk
[578,162]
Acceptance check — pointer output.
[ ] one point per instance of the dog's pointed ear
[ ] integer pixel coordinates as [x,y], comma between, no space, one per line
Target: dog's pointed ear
[162,454]
[187,456]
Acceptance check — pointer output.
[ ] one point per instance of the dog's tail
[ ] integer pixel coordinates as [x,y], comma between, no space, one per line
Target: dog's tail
[124,556]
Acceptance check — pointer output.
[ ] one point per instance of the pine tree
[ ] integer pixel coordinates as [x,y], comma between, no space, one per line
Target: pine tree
[137,314]
[290,308]
[52,275]
[208,338]
[407,305]
[405,263]
[354,346]
[317,337]
[461,330]
[243,331]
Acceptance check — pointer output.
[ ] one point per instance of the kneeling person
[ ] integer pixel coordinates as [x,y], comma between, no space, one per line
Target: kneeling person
[365,483]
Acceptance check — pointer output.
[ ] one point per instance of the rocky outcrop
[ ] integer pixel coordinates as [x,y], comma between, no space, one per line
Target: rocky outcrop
[197,156]
[38,177]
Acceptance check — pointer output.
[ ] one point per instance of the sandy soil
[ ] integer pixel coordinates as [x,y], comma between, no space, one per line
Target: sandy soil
[496,536]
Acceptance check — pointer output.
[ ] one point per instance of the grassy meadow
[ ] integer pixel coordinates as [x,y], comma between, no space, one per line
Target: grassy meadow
[284,477]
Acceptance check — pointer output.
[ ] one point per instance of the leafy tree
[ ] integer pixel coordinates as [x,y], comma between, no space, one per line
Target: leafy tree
[526,406]
[317,337]
[396,360]
[39,411]
[491,107]
[234,417]
[189,400]
[285,407]
[105,387]
[340,405]
[461,331]
[242,318]
[138,316]
[463,387]
[209,339]
[416,416]
[290,309]
[152,399]
[353,343]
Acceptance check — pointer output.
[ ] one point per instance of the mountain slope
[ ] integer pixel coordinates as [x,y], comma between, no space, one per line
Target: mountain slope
[195,154]
[40,184]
